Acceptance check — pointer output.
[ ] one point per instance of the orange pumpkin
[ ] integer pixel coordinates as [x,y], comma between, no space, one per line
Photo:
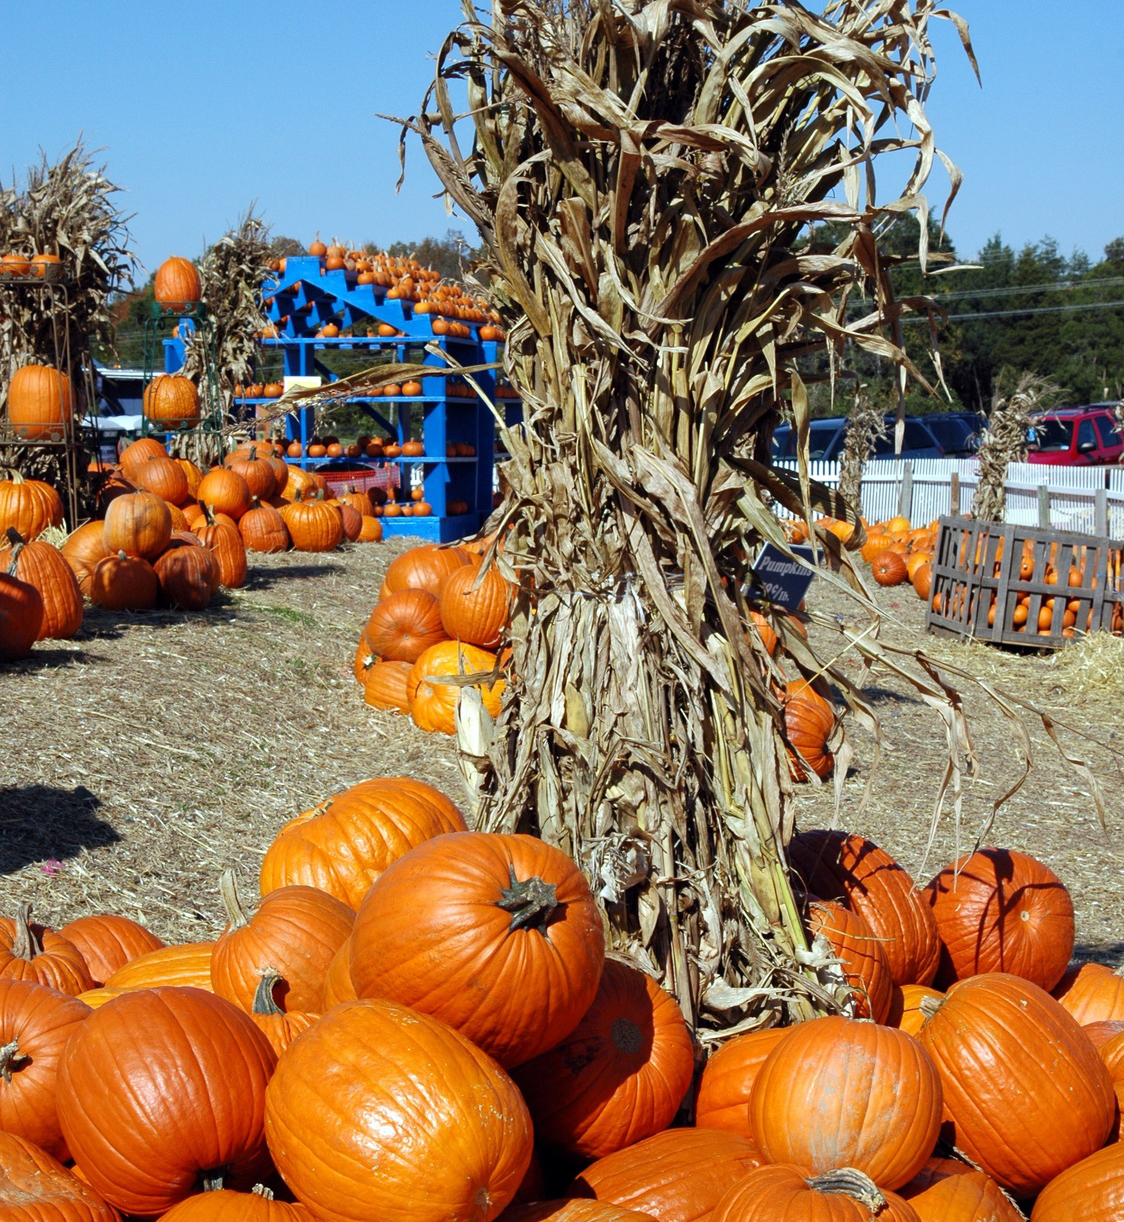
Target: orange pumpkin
[434,695]
[808,722]
[403,625]
[475,604]
[727,1079]
[171,401]
[177,285]
[40,402]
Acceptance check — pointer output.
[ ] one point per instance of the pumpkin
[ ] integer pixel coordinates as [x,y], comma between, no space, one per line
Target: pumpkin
[996,1033]
[124,583]
[313,526]
[337,984]
[226,1205]
[386,686]
[475,604]
[165,477]
[144,1146]
[137,452]
[171,401]
[619,1076]
[28,505]
[107,941]
[785,1191]
[345,843]
[21,613]
[177,285]
[370,530]
[945,1190]
[224,491]
[403,625]
[138,524]
[1092,992]
[1091,1190]
[263,529]
[422,568]
[295,932]
[34,1187]
[808,722]
[185,964]
[727,1079]
[889,567]
[836,865]
[572,1209]
[35,1023]
[43,566]
[905,1006]
[225,543]
[279,1026]
[83,548]
[998,910]
[257,471]
[40,402]
[513,926]
[189,577]
[29,951]
[433,689]
[422,1124]
[861,958]
[839,1092]
[678,1175]
[351,521]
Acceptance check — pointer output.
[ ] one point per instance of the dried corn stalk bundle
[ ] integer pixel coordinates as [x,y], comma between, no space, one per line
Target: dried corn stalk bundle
[1004,441]
[646,177]
[865,428]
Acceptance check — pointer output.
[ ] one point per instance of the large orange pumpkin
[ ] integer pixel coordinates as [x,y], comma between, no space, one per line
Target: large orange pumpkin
[998,910]
[475,604]
[1091,1190]
[138,524]
[432,689]
[422,568]
[619,1076]
[403,625]
[171,401]
[498,935]
[145,1146]
[839,1092]
[728,1077]
[40,402]
[996,1034]
[788,1192]
[381,1112]
[42,565]
[177,285]
[35,1187]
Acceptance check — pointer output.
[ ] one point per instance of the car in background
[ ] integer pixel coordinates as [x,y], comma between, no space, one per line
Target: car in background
[826,435]
[1076,436]
[959,433]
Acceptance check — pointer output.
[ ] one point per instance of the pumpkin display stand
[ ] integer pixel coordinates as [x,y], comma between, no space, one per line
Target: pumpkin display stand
[1024,586]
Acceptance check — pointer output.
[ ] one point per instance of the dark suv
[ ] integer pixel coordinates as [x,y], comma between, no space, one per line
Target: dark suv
[825,440]
[958,432]
[1076,436]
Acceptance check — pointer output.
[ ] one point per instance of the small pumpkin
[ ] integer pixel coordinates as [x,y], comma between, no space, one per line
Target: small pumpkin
[475,604]
[30,951]
[808,722]
[108,940]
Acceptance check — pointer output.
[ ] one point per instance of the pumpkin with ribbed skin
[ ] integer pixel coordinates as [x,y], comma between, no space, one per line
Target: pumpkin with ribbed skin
[263,529]
[403,625]
[421,1123]
[1091,1190]
[188,576]
[21,614]
[573,1209]
[278,1026]
[433,702]
[226,1205]
[995,1029]
[165,477]
[386,686]
[35,1023]
[108,941]
[1092,993]
[619,1076]
[137,452]
[120,582]
[295,931]
[839,1092]
[40,402]
[678,1175]
[224,491]
[788,1192]
[313,526]
[498,935]
[42,565]
[808,722]
[861,957]
[82,550]
[30,951]
[727,1080]
[337,983]
[836,865]
[187,964]
[177,285]
[225,544]
[905,1006]
[257,471]
[945,1190]
[345,843]
[144,1146]
[370,530]
[475,604]
[422,568]
[138,524]
[889,568]
[171,401]
[28,505]
[35,1187]
[998,910]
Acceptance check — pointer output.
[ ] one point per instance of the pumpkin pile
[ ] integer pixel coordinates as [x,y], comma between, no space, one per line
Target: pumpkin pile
[420,1021]
[439,621]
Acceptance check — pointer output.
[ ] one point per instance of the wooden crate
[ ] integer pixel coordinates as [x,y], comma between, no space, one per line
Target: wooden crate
[1017,585]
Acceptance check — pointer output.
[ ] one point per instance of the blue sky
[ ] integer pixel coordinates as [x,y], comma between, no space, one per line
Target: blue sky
[200,108]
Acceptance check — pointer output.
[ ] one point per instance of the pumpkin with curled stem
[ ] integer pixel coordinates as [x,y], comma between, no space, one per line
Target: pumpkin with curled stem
[787,1191]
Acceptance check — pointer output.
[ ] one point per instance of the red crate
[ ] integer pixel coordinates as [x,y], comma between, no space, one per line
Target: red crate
[1016,585]
[386,478]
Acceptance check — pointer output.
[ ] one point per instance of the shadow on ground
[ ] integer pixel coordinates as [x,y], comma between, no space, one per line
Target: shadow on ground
[41,823]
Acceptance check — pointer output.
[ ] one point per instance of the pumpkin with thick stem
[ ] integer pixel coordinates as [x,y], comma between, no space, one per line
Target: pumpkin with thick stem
[619,1076]
[29,951]
[144,1146]
[381,1112]
[35,1023]
[295,931]
[840,1092]
[786,1191]
[997,1028]
[43,566]
[28,505]
[263,529]
[36,1187]
[108,941]
[513,926]
[279,1026]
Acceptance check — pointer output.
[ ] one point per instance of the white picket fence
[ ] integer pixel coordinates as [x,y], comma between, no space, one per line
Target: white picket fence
[1084,499]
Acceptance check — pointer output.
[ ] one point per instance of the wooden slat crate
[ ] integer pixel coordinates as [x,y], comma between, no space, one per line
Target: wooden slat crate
[1017,585]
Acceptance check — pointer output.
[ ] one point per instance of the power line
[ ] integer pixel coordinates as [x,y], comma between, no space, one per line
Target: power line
[1058,309]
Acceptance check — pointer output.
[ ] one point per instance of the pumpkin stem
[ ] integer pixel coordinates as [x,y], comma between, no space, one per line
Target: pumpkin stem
[13,536]
[212,1179]
[232,901]
[847,1181]
[930,1005]
[9,1055]
[264,1001]
[260,1190]
[531,902]
[26,945]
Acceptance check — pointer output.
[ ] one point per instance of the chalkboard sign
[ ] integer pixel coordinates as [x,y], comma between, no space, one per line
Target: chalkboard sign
[780,579]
